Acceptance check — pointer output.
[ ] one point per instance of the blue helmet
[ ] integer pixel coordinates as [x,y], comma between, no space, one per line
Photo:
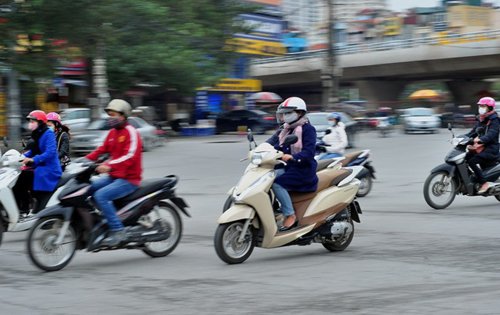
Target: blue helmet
[335,116]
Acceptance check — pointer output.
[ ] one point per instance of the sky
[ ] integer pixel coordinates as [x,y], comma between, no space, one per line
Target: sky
[401,5]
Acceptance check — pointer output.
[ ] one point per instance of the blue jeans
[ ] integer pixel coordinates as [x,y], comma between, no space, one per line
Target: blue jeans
[107,189]
[283,196]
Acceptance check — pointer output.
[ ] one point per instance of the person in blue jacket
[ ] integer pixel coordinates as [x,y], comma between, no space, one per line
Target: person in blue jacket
[45,169]
[300,172]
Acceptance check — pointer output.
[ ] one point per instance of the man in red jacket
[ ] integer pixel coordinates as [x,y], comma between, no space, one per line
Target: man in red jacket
[124,167]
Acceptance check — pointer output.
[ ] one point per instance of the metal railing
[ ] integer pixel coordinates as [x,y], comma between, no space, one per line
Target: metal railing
[448,39]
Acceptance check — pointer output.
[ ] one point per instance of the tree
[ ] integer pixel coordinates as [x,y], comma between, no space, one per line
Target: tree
[171,43]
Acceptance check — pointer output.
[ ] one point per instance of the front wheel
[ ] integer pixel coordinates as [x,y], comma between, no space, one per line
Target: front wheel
[42,248]
[439,190]
[496,196]
[170,220]
[228,246]
[365,186]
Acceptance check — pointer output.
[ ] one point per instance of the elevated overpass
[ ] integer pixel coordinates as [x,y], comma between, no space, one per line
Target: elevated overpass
[381,70]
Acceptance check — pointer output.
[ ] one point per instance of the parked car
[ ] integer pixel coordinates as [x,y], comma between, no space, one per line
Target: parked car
[420,119]
[320,121]
[94,135]
[235,120]
[77,119]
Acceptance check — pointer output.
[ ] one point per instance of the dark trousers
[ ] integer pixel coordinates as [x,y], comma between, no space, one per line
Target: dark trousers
[483,160]
[24,193]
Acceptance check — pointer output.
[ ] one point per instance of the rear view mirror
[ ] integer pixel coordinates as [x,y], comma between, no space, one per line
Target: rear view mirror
[290,139]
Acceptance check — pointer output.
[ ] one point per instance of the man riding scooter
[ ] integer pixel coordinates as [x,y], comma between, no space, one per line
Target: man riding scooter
[124,168]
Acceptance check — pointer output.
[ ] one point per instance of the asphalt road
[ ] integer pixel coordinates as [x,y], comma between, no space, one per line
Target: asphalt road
[405,256]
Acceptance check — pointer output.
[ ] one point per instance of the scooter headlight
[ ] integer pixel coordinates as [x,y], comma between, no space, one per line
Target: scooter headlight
[259,181]
[257,158]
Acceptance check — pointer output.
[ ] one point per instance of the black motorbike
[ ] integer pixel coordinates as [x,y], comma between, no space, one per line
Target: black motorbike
[150,216]
[455,176]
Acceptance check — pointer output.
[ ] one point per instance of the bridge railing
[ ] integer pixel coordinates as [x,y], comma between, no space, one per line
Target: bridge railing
[448,39]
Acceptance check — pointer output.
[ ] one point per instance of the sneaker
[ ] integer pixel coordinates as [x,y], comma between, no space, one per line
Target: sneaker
[114,238]
[484,188]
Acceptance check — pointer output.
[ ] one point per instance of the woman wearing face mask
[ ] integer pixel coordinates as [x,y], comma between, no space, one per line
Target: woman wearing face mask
[335,138]
[484,151]
[62,137]
[300,172]
[44,161]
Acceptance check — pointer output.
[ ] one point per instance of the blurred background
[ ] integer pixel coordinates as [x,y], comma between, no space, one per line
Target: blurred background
[193,68]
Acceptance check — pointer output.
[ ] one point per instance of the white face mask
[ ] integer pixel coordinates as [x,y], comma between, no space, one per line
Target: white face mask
[482,110]
[290,117]
[52,128]
[32,125]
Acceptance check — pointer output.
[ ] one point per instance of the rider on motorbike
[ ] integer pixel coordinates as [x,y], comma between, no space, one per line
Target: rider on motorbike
[300,172]
[124,168]
[62,137]
[335,138]
[484,151]
[44,171]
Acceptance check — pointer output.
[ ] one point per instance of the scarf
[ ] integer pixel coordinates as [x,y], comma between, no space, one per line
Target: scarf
[487,115]
[296,129]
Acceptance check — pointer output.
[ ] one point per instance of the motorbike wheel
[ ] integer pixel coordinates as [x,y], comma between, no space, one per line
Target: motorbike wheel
[171,220]
[496,196]
[227,204]
[226,242]
[340,244]
[41,248]
[365,187]
[434,189]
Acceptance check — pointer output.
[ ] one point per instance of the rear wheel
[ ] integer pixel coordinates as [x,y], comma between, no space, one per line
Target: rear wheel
[1,230]
[170,220]
[365,186]
[340,243]
[227,244]
[439,190]
[43,251]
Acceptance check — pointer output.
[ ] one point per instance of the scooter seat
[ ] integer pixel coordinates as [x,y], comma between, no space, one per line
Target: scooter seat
[148,186]
[64,179]
[326,178]
[322,164]
[350,157]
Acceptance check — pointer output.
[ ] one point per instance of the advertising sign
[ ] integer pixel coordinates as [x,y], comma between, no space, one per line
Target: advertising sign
[242,85]
[255,47]
[262,27]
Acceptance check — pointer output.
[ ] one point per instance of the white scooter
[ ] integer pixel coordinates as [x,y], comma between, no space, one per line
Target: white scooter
[325,216]
[10,169]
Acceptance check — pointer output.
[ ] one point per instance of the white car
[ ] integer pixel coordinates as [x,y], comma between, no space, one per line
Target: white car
[77,119]
[420,119]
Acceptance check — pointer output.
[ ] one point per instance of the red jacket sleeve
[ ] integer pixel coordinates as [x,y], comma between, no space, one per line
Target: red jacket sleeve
[104,148]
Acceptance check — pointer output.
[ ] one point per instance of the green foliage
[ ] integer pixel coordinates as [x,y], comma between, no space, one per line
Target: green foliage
[166,42]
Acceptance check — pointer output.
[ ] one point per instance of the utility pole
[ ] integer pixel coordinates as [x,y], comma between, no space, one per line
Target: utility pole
[14,108]
[329,76]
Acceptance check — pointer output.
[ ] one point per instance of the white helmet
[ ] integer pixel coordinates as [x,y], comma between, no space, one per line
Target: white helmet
[119,106]
[291,104]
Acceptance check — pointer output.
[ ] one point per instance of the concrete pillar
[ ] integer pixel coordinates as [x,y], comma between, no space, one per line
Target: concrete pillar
[380,93]
[466,92]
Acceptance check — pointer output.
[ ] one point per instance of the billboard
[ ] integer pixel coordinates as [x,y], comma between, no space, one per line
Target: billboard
[261,27]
